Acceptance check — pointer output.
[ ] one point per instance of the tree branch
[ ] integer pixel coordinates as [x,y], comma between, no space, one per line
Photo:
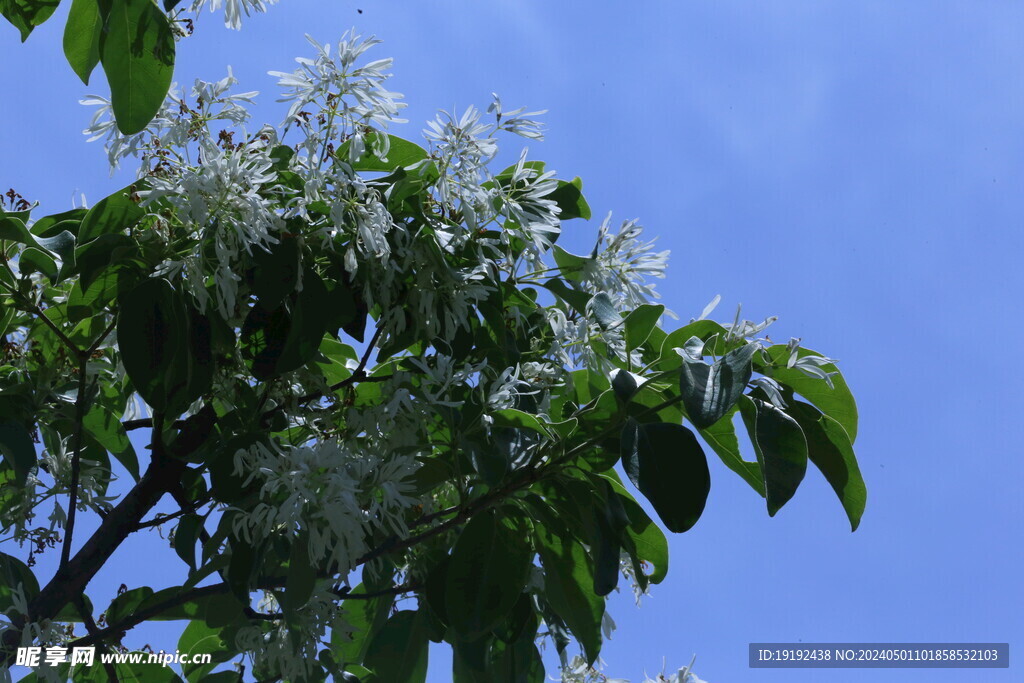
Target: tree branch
[91,627]
[76,455]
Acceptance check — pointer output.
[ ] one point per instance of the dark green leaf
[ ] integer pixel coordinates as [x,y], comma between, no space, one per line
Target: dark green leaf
[82,37]
[604,311]
[200,639]
[25,15]
[48,226]
[137,53]
[709,391]
[14,574]
[611,522]
[573,297]
[829,448]
[639,324]
[486,574]
[185,536]
[165,345]
[569,197]
[93,258]
[276,273]
[780,447]
[836,402]
[365,617]
[667,464]
[721,436]
[286,338]
[571,267]
[516,662]
[398,653]
[124,605]
[569,581]
[301,575]
[110,434]
[645,541]
[17,449]
[111,214]
[510,417]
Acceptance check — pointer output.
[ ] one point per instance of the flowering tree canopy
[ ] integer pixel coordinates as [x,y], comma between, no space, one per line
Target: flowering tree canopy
[388,405]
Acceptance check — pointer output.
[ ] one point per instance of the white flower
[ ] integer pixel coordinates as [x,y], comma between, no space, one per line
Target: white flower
[516,121]
[621,264]
[335,491]
[813,366]
[233,9]
[526,202]
[772,388]
[354,94]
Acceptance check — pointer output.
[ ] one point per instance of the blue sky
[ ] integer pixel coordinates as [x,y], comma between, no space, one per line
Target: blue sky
[855,168]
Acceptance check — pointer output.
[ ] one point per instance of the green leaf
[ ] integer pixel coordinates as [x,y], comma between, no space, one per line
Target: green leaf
[301,575]
[185,536]
[70,613]
[706,330]
[640,322]
[401,154]
[17,448]
[200,639]
[665,462]
[604,311]
[709,391]
[286,338]
[487,572]
[517,662]
[648,541]
[831,451]
[365,617]
[836,402]
[48,226]
[510,417]
[14,574]
[569,580]
[124,605]
[110,434]
[82,37]
[276,273]
[780,447]
[571,266]
[165,345]
[398,653]
[611,521]
[40,251]
[569,197]
[93,259]
[137,53]
[721,436]
[575,298]
[112,214]
[25,15]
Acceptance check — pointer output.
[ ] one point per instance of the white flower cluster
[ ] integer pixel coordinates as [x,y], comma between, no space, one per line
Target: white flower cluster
[345,99]
[621,265]
[338,494]
[290,648]
[233,9]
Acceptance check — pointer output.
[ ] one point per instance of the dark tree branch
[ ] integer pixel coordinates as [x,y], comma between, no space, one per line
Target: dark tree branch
[71,578]
[76,459]
[91,627]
